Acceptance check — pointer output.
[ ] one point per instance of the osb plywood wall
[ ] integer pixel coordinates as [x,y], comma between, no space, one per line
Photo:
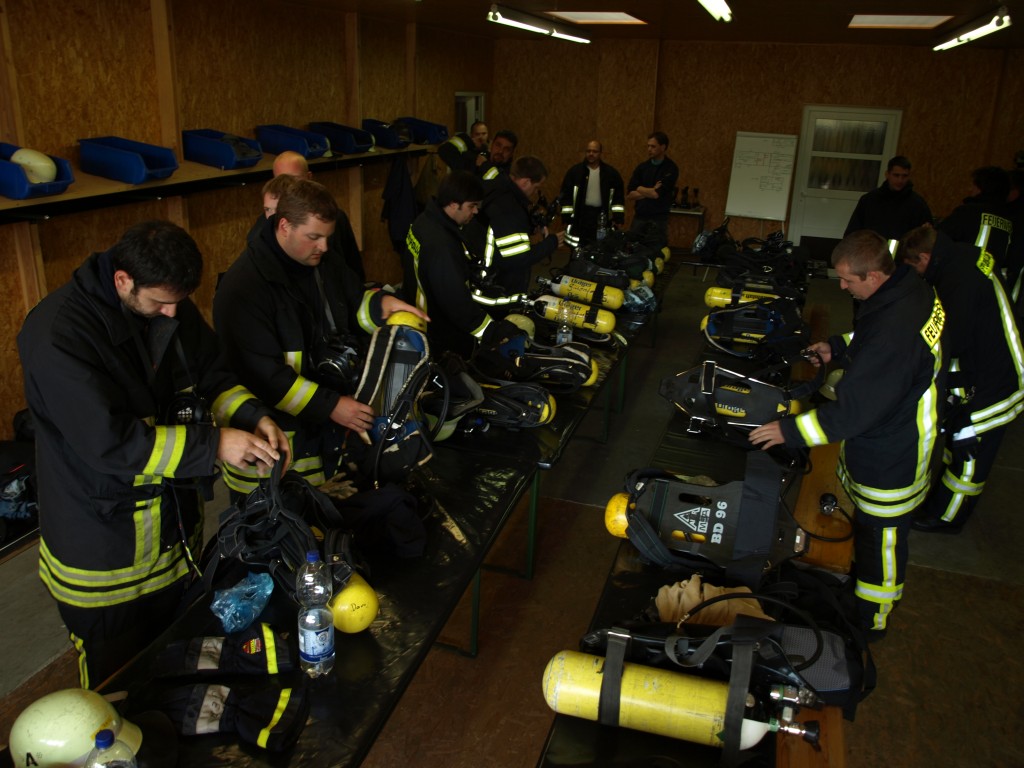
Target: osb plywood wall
[382,50]
[961,109]
[609,100]
[709,92]
[83,69]
[12,397]
[242,63]
[446,64]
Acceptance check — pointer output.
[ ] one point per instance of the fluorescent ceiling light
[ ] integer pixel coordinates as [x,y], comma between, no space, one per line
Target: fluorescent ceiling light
[876,21]
[595,17]
[979,28]
[717,8]
[510,17]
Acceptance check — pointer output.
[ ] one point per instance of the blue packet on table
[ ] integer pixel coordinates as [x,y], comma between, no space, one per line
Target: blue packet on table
[240,605]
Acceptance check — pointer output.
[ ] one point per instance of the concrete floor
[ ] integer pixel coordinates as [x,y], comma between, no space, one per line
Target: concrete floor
[949,671]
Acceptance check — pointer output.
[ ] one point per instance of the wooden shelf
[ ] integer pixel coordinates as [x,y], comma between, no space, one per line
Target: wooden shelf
[89,192]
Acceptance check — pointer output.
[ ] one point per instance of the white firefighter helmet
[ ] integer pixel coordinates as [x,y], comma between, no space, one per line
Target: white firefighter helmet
[39,168]
[60,729]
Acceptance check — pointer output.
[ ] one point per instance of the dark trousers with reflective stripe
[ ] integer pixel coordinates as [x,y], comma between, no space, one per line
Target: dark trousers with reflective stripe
[109,637]
[880,555]
[952,497]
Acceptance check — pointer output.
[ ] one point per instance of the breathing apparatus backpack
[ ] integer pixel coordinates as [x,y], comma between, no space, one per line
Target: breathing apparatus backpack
[514,357]
[716,398]
[272,528]
[395,374]
[733,529]
[765,330]
[516,405]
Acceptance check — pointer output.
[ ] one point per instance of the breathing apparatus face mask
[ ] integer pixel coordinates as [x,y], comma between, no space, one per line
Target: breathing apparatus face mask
[188,408]
[339,364]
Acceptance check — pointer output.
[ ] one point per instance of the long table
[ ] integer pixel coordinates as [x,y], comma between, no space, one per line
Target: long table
[475,496]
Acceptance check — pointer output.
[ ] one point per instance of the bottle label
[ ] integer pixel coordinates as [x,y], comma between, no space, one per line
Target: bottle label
[316,645]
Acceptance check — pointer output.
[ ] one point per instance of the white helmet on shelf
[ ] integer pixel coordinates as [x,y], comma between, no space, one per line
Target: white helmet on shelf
[39,168]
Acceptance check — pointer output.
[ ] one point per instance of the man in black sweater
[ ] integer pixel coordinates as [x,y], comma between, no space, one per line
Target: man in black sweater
[893,208]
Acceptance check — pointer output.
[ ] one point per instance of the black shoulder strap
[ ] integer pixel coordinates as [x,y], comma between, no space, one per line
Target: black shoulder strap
[611,677]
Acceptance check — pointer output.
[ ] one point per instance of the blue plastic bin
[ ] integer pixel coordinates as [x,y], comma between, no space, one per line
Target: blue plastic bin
[132,162]
[349,141]
[219,149]
[281,138]
[425,132]
[384,135]
[15,184]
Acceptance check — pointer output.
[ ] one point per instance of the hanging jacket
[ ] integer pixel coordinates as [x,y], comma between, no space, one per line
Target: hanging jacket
[889,213]
[887,409]
[113,474]
[399,202]
[270,319]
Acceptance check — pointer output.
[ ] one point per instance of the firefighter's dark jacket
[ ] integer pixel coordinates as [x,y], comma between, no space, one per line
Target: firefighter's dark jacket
[342,242]
[981,337]
[269,316]
[442,273]
[889,212]
[888,400]
[983,220]
[106,456]
[574,192]
[506,211]
[460,153]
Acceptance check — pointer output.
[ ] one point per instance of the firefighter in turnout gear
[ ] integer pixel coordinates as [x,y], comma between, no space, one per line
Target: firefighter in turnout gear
[443,270]
[589,189]
[986,370]
[132,406]
[886,413]
[512,241]
[285,311]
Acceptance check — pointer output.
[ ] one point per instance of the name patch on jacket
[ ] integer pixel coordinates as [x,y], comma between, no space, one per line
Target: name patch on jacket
[998,222]
[932,330]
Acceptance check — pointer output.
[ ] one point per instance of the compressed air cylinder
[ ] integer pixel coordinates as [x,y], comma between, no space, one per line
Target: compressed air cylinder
[580,315]
[715,297]
[659,701]
[577,289]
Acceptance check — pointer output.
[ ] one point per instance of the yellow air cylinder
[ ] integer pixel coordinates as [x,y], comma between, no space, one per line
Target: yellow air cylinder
[577,289]
[580,315]
[743,337]
[648,278]
[715,297]
[354,606]
[659,701]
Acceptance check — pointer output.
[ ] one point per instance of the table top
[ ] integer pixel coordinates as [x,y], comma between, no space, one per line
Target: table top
[475,495]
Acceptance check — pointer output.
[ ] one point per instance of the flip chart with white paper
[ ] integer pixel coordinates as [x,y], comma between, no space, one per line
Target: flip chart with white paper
[762,172]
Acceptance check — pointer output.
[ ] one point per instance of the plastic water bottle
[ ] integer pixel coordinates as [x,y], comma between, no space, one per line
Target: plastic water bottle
[110,753]
[563,334]
[313,589]
[602,226]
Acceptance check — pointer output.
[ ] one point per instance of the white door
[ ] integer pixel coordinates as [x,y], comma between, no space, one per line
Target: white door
[842,154]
